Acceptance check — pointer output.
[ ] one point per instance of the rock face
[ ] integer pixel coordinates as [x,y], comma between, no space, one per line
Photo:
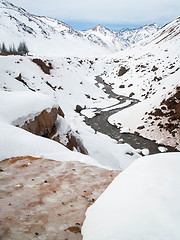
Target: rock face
[46,199]
[75,142]
[170,109]
[45,125]
[45,68]
[122,71]
[78,108]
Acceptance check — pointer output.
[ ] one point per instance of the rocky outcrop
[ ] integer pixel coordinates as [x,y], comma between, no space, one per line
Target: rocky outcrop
[169,109]
[45,125]
[45,68]
[46,199]
[78,108]
[75,142]
[122,71]
[20,79]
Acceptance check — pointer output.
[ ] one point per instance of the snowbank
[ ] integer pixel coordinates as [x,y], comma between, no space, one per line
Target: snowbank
[14,141]
[16,105]
[141,203]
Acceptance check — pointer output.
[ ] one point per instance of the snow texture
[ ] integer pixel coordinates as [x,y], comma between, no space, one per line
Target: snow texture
[141,203]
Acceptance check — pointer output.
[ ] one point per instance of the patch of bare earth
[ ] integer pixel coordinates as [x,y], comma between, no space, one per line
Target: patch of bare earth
[46,199]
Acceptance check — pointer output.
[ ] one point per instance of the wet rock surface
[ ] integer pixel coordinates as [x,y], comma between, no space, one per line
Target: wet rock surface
[46,199]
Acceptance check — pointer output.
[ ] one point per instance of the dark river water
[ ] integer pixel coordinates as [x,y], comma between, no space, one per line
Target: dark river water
[100,123]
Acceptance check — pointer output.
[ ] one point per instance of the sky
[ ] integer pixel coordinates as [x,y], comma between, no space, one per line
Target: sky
[114,14]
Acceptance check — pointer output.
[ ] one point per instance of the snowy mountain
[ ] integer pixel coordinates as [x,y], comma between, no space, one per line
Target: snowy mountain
[135,35]
[70,122]
[47,36]
[152,76]
[168,32]
[119,40]
[44,36]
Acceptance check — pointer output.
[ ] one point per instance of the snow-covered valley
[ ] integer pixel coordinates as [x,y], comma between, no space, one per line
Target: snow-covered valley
[96,99]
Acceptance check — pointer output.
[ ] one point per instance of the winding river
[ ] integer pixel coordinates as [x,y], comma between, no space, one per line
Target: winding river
[100,123]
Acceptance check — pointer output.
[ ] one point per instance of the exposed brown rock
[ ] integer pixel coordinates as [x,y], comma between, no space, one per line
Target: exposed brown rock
[78,108]
[20,79]
[169,114]
[141,127]
[122,71]
[46,199]
[158,112]
[177,114]
[43,124]
[45,68]
[60,112]
[154,68]
[131,94]
[74,229]
[74,142]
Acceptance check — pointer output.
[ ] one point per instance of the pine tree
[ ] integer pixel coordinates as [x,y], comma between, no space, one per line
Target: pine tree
[4,49]
[25,48]
[14,51]
[10,50]
[22,48]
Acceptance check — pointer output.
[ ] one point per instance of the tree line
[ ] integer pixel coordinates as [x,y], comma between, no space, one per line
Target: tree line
[22,49]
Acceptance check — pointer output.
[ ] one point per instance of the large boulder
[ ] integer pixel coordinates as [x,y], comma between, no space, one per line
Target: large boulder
[48,124]
[43,124]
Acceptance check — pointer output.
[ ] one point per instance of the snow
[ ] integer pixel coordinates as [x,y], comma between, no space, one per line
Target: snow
[88,113]
[162,149]
[15,105]
[146,106]
[15,141]
[18,142]
[145,151]
[141,203]
[121,105]
[50,37]
[20,104]
[73,80]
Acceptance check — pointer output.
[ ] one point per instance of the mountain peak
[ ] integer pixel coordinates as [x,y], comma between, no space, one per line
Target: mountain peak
[100,27]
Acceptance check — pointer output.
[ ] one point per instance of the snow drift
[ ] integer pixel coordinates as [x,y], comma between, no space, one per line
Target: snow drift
[141,203]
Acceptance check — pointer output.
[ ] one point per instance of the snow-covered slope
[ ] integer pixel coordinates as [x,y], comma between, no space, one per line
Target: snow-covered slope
[152,76]
[168,32]
[119,40]
[47,36]
[141,203]
[71,80]
[70,83]
[44,36]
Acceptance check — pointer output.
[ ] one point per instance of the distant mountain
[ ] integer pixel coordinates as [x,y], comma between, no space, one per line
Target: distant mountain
[119,40]
[16,24]
[167,32]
